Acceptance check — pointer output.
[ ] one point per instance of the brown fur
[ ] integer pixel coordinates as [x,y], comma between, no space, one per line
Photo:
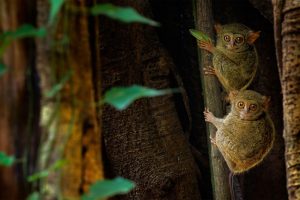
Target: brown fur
[234,63]
[244,143]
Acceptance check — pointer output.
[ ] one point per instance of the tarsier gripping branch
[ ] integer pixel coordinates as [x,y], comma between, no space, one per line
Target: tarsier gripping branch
[246,134]
[234,56]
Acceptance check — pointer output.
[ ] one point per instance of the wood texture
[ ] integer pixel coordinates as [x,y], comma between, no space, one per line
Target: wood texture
[290,81]
[74,133]
[15,112]
[213,101]
[145,142]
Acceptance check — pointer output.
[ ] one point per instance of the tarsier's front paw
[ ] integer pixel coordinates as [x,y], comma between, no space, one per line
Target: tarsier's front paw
[208,116]
[213,140]
[209,70]
[208,46]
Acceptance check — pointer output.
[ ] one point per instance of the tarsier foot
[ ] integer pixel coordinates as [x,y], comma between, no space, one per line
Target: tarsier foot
[209,70]
[208,116]
[208,46]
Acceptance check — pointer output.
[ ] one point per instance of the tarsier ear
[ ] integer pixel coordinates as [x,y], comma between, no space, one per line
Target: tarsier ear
[252,36]
[218,27]
[232,94]
[266,102]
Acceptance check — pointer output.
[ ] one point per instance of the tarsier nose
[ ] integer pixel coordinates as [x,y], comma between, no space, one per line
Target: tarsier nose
[231,43]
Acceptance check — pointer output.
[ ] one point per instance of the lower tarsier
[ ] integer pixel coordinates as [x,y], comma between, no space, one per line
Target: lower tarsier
[246,134]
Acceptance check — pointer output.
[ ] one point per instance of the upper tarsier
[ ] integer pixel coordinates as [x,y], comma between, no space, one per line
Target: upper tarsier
[235,59]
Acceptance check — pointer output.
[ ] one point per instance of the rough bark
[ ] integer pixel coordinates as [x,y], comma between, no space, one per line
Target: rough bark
[145,142]
[74,133]
[213,101]
[290,82]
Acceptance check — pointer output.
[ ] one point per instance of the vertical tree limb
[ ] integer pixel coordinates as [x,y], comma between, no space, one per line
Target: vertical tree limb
[212,98]
[291,94]
[288,39]
[14,109]
[70,126]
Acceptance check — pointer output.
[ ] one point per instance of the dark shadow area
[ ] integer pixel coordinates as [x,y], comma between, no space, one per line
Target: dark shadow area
[176,18]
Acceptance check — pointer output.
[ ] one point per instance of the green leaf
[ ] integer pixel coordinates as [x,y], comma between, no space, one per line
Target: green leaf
[3,69]
[44,173]
[6,160]
[122,97]
[55,6]
[108,188]
[58,86]
[5,42]
[24,31]
[199,35]
[38,175]
[33,196]
[123,14]
[57,165]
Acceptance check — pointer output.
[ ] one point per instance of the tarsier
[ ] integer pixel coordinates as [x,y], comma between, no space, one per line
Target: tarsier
[234,57]
[246,134]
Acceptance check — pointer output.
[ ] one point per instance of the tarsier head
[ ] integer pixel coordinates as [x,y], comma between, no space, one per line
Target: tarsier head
[235,37]
[248,104]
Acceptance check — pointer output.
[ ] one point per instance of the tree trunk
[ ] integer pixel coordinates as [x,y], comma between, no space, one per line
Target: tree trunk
[70,126]
[16,115]
[289,12]
[145,142]
[213,101]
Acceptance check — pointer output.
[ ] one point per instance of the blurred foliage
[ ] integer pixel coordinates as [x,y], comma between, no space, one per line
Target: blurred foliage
[55,6]
[108,188]
[122,97]
[123,14]
[6,160]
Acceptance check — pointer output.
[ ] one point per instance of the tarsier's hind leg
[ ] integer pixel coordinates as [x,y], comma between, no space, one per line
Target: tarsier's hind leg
[232,165]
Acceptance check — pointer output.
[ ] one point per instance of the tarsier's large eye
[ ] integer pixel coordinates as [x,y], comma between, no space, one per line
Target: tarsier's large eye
[241,104]
[239,40]
[253,107]
[227,38]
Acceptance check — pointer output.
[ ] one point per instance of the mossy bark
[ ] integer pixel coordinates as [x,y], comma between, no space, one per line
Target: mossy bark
[70,127]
